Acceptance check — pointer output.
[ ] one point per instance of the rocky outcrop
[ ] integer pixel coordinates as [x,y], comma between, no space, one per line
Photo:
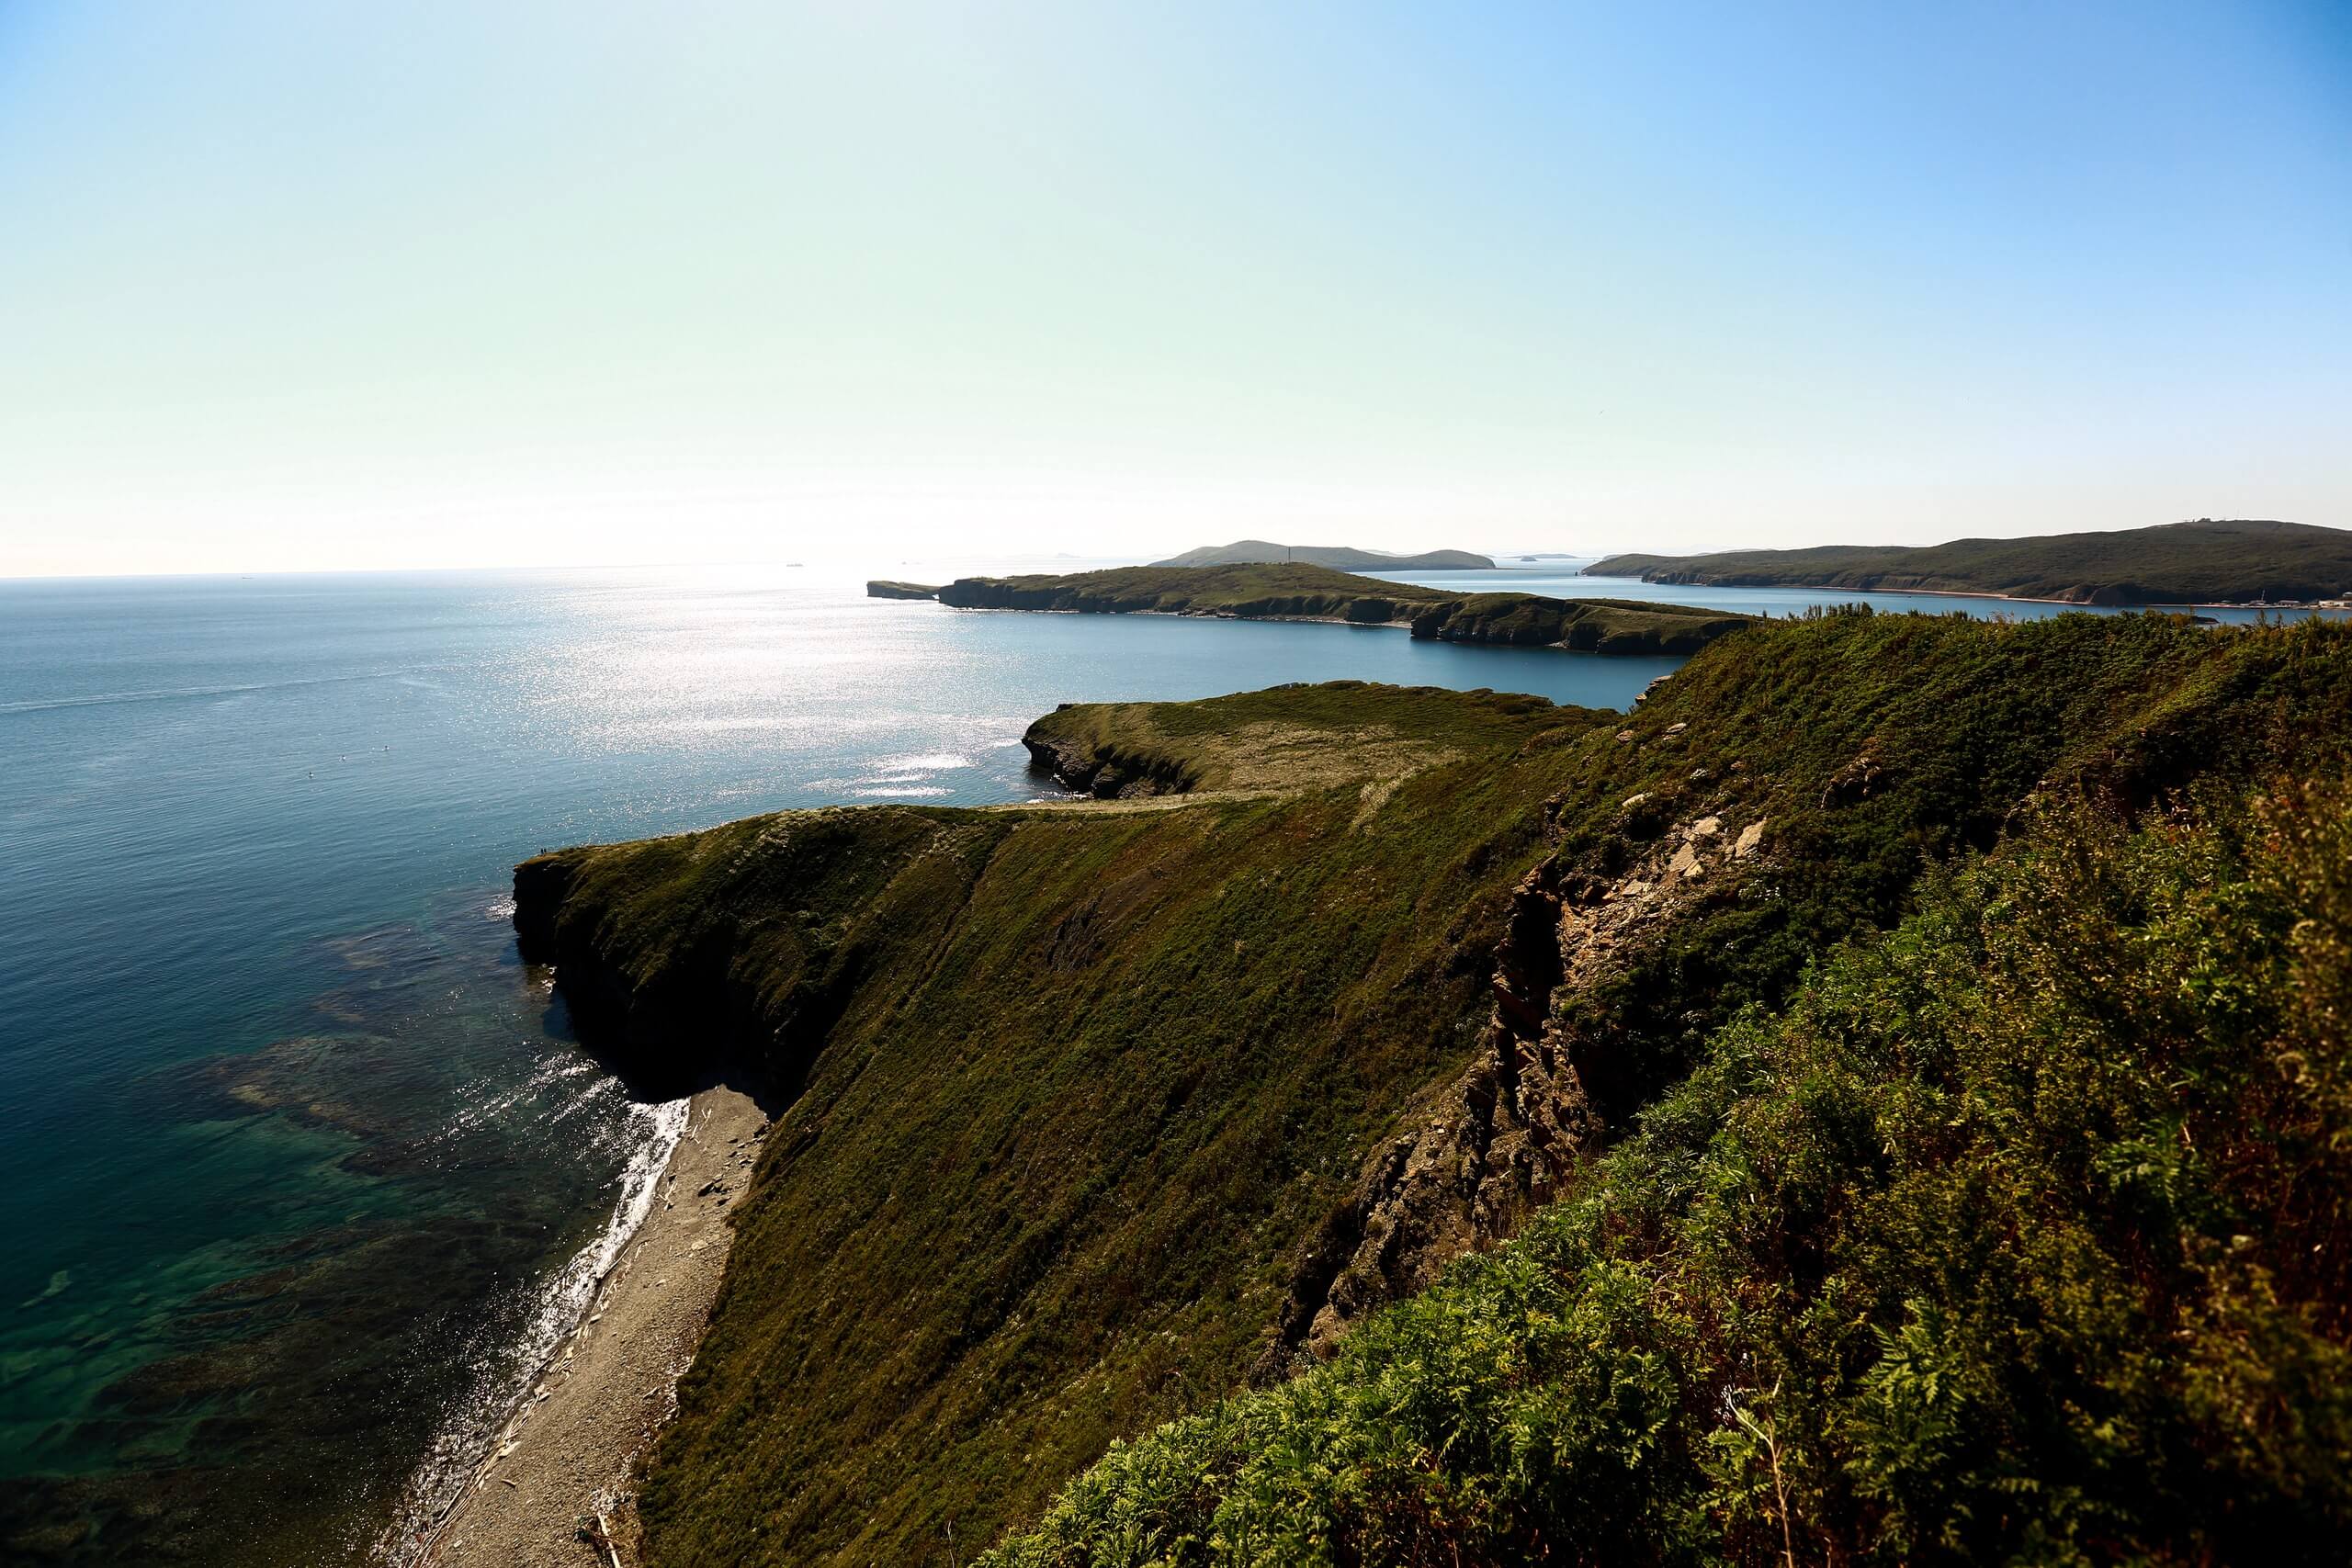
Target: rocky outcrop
[1495,1143]
[884,588]
[672,1004]
[541,885]
[1580,625]
[1104,772]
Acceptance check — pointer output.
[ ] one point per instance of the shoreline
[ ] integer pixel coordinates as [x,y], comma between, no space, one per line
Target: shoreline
[569,1451]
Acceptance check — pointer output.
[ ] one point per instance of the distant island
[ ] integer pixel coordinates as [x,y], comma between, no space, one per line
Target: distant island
[2208,562]
[1339,558]
[1261,592]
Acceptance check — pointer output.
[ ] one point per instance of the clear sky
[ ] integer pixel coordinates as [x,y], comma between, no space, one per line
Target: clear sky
[322,284]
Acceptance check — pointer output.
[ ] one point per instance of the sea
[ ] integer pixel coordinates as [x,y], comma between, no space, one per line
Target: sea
[305,1172]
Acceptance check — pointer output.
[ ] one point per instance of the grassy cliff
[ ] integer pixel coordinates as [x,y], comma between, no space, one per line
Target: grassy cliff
[2204,562]
[1100,1110]
[2017,1235]
[1069,1083]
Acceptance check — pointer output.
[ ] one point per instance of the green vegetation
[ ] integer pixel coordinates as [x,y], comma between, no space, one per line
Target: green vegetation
[1255,591]
[1584,625]
[2018,1235]
[1340,558]
[2204,562]
[1080,1092]
[887,588]
[1069,1083]
[1294,592]
[1284,739]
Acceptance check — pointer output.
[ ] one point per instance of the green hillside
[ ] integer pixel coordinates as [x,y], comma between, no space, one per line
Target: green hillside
[1314,592]
[2016,1236]
[1340,558]
[1100,1112]
[2204,562]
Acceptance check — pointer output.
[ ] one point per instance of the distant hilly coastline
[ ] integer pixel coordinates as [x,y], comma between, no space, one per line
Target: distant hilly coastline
[2208,562]
[1339,558]
[1299,592]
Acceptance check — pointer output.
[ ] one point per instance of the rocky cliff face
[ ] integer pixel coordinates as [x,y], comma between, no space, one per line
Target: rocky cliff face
[1487,1149]
[1107,772]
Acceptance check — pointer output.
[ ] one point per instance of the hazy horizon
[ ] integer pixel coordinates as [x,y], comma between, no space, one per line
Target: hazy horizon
[318,287]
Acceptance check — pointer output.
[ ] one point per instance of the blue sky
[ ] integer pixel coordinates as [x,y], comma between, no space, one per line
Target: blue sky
[325,283]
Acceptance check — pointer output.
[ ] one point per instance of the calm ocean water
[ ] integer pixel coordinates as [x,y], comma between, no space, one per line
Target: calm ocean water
[298,1156]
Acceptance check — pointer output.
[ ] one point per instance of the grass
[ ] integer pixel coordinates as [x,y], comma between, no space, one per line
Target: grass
[1075,1085]
[1070,1082]
[2204,562]
[1291,739]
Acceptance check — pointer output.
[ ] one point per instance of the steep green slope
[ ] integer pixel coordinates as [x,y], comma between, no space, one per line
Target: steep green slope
[1072,1080]
[1296,592]
[1102,1106]
[2204,562]
[2018,1236]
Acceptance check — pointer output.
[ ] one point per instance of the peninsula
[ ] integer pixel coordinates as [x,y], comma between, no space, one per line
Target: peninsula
[1127,1150]
[1281,592]
[2240,562]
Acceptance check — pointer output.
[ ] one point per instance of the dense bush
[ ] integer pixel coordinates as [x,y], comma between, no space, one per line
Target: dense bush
[2018,1235]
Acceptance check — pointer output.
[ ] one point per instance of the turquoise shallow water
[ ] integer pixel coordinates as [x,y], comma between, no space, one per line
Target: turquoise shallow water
[294,1148]
[293,1142]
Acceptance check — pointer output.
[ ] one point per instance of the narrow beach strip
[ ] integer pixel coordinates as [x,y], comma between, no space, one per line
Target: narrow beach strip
[567,1451]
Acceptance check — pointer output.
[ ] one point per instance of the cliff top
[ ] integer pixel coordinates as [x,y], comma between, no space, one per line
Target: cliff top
[1286,739]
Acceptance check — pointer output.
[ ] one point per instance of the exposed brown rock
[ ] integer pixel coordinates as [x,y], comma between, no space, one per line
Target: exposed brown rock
[1487,1149]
